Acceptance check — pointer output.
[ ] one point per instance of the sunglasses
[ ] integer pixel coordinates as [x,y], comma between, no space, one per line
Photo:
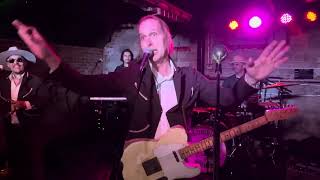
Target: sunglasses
[12,60]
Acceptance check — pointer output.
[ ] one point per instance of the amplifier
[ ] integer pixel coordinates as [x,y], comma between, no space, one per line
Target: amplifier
[108,111]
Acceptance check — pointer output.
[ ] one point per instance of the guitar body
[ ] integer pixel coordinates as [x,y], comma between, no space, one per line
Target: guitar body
[172,166]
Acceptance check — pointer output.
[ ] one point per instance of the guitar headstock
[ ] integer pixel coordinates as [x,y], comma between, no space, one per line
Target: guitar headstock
[281,113]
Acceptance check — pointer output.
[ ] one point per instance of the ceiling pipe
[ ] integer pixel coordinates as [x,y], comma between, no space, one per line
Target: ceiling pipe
[162,8]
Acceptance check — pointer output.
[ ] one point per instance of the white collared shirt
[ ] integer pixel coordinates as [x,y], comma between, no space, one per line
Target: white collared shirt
[14,96]
[167,95]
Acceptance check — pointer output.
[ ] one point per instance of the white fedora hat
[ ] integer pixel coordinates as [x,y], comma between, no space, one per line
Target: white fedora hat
[15,51]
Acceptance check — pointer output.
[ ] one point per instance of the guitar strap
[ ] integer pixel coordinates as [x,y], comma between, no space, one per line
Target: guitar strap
[187,125]
[150,108]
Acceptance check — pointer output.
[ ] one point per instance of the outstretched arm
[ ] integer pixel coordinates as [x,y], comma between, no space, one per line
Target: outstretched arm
[270,59]
[90,85]
[37,44]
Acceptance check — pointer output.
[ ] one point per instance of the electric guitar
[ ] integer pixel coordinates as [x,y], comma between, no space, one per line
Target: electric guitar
[148,159]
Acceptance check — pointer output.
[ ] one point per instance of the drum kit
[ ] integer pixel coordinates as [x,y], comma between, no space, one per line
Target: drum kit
[260,144]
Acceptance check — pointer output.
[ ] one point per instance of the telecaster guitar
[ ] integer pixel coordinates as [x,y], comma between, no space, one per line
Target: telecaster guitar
[148,159]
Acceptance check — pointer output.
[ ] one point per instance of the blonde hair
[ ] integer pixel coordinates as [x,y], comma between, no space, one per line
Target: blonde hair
[165,28]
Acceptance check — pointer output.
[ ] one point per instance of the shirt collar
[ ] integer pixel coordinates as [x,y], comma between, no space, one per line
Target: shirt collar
[11,76]
[158,77]
[237,76]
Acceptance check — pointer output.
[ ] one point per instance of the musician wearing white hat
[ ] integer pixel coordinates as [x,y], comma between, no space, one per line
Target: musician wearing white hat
[19,104]
[238,64]
[16,61]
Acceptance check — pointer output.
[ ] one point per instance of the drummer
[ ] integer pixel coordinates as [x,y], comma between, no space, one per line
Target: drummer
[238,65]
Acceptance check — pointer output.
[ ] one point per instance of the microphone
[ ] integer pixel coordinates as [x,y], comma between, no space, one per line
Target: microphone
[96,64]
[219,52]
[99,60]
[147,54]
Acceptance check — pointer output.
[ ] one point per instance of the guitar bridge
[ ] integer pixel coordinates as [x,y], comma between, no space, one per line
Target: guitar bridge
[151,166]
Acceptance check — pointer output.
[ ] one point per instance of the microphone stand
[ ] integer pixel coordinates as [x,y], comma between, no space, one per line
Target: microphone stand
[95,66]
[141,76]
[147,54]
[219,53]
[216,126]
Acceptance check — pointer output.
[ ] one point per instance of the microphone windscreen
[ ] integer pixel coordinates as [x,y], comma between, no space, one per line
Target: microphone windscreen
[147,51]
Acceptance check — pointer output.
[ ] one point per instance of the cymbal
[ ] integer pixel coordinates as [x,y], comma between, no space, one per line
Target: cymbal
[203,109]
[279,84]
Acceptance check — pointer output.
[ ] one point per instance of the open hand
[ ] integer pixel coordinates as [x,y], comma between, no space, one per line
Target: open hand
[270,59]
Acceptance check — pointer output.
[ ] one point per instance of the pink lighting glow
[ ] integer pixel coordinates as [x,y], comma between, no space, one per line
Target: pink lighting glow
[255,22]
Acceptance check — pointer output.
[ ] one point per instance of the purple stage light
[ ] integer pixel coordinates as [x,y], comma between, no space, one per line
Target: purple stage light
[286,18]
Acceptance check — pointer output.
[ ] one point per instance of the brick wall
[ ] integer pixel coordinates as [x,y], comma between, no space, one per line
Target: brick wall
[84,59]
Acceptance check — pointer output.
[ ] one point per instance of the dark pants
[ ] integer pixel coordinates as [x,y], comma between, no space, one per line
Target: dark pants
[25,153]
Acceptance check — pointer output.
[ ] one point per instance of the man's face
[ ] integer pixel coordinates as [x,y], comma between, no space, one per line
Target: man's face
[238,67]
[16,64]
[152,37]
[126,57]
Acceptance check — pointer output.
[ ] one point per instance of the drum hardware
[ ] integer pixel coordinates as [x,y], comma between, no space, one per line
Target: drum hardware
[273,145]
[283,94]
[267,148]
[234,148]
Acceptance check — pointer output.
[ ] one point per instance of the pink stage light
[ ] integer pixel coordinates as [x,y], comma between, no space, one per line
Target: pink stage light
[255,22]
[286,18]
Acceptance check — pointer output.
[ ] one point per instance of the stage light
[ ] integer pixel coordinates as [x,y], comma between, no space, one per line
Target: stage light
[233,25]
[255,22]
[286,18]
[311,16]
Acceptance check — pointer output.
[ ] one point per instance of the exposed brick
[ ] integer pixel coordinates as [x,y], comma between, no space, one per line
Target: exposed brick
[81,58]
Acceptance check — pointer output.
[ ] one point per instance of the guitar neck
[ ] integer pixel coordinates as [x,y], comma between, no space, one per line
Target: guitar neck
[224,136]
